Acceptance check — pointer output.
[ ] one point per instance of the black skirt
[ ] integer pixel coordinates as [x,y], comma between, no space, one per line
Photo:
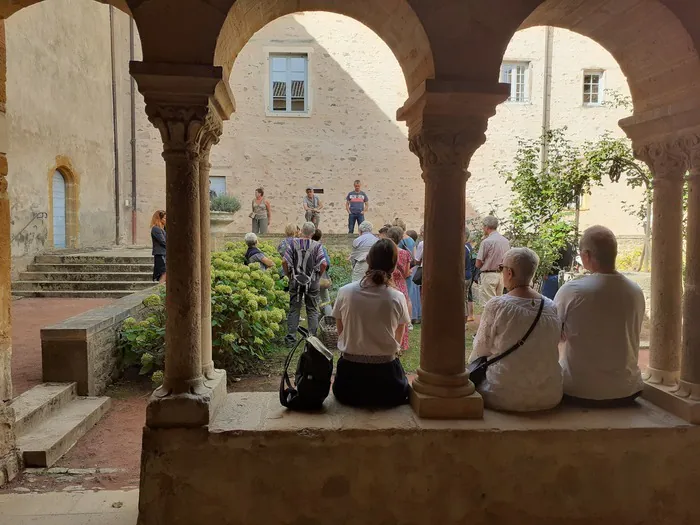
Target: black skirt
[380,385]
[158,267]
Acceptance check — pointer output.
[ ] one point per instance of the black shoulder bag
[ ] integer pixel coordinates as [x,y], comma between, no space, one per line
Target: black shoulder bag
[312,381]
[477,368]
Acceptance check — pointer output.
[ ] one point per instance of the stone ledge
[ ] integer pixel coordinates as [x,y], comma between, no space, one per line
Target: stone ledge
[663,397]
[259,464]
[83,349]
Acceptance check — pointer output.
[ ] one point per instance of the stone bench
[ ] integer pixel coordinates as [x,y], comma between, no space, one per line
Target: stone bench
[84,349]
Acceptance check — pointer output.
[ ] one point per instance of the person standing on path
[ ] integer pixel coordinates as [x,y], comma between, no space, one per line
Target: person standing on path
[158,238]
[312,207]
[492,250]
[356,204]
[262,213]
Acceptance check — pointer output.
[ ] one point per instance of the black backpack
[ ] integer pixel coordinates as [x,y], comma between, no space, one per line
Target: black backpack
[313,376]
[302,272]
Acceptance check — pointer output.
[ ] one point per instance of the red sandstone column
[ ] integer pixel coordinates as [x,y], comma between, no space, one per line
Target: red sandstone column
[447,123]
[689,386]
[667,164]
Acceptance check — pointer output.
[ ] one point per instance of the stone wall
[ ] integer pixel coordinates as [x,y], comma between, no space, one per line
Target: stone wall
[60,115]
[85,348]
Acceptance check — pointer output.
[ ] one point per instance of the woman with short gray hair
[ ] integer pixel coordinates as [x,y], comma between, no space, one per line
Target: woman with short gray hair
[360,249]
[529,378]
[254,254]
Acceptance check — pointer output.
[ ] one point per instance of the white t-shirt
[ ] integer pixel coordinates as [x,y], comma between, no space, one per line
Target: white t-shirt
[602,317]
[370,317]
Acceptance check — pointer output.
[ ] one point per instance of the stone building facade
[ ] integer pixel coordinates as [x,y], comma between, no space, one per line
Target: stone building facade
[62,118]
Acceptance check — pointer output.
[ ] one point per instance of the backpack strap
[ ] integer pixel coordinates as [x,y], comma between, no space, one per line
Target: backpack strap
[286,383]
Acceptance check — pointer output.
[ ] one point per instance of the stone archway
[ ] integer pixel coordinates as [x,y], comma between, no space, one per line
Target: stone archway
[393,24]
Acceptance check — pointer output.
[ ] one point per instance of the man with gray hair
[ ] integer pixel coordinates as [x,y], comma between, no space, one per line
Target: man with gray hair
[489,259]
[304,262]
[360,249]
[602,316]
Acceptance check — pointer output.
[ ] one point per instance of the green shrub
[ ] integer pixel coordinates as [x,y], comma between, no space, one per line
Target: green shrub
[340,271]
[225,203]
[248,312]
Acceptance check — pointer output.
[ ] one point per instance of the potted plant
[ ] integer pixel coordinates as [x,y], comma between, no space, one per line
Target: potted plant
[223,208]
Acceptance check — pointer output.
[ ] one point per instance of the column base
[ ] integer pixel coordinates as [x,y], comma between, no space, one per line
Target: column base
[661,377]
[669,398]
[187,410]
[430,407]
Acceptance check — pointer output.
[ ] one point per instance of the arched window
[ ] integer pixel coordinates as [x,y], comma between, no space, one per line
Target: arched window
[58,201]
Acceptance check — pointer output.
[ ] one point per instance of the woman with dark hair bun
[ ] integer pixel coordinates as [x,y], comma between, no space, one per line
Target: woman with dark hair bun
[372,317]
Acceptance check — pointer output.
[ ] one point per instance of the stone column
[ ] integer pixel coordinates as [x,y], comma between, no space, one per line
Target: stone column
[445,129]
[5,240]
[667,163]
[204,168]
[689,385]
[187,104]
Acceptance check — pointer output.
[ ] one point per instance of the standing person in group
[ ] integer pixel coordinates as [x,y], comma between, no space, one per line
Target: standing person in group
[254,254]
[262,213]
[304,263]
[360,249]
[413,288]
[312,207]
[290,231]
[490,257]
[325,282]
[356,203]
[469,275]
[158,238]
[372,317]
[401,273]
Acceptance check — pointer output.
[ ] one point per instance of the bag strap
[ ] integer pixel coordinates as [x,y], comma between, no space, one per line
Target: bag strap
[287,362]
[522,341]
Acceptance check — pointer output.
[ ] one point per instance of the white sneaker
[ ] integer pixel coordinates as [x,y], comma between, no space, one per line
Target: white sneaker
[410,327]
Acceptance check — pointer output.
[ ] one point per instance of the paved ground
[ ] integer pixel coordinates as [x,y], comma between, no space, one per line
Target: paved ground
[70,508]
[29,316]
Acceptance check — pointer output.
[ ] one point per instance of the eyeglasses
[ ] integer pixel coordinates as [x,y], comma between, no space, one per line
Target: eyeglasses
[502,267]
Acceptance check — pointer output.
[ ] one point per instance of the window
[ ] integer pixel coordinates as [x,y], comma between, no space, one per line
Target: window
[592,88]
[289,83]
[517,74]
[217,186]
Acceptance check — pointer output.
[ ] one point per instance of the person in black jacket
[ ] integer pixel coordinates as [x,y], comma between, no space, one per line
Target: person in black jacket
[158,239]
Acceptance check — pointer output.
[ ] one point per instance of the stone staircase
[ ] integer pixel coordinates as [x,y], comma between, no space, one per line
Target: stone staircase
[85,275]
[50,418]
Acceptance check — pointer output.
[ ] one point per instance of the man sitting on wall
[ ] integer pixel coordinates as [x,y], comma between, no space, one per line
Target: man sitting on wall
[602,318]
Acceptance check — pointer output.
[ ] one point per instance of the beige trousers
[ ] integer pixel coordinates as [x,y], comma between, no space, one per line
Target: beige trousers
[491,285]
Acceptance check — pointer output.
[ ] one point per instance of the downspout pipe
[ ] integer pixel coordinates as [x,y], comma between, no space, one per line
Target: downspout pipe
[115,122]
[547,97]
[133,134]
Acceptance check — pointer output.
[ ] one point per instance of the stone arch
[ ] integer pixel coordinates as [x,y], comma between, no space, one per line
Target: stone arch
[651,45]
[397,24]
[72,183]
[9,7]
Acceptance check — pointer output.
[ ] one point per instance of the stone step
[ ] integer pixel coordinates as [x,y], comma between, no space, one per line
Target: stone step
[93,259]
[38,403]
[70,276]
[85,268]
[45,444]
[91,294]
[78,286]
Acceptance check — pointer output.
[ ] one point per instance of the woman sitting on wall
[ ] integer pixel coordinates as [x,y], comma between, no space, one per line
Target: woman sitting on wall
[158,239]
[529,378]
[372,317]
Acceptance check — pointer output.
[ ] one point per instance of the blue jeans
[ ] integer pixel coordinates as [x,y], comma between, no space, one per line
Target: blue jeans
[355,217]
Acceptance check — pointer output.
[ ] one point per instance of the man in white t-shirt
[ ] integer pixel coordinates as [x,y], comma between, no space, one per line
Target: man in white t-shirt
[602,318]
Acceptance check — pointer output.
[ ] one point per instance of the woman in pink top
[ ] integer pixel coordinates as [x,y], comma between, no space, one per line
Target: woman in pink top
[401,272]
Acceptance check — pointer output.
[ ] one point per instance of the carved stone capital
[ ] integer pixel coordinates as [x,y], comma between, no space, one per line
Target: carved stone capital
[188,129]
[691,148]
[445,149]
[667,160]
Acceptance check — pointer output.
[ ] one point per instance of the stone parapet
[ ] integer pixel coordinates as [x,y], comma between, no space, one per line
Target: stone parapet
[259,464]
[84,348]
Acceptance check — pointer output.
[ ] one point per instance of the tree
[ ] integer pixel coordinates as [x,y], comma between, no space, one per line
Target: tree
[544,211]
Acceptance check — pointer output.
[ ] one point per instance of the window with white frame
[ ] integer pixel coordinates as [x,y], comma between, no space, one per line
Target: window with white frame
[517,74]
[289,79]
[592,88]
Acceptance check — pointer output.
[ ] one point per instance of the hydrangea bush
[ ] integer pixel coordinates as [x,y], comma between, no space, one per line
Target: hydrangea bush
[248,313]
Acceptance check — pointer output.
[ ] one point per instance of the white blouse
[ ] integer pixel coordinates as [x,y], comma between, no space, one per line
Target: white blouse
[530,378]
